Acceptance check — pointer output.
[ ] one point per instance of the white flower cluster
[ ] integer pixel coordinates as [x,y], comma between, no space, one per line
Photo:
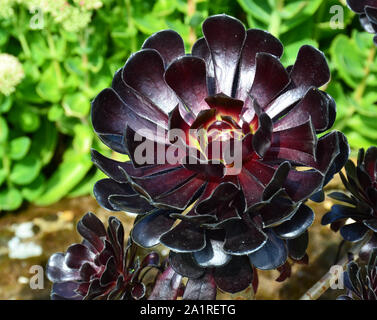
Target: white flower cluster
[74,15]
[76,19]
[6,8]
[11,73]
[89,4]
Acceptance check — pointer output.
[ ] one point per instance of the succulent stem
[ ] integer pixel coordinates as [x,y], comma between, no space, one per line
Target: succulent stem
[55,61]
[191,8]
[274,28]
[24,45]
[131,24]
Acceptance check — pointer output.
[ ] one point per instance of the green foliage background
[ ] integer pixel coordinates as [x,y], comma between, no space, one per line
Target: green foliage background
[45,130]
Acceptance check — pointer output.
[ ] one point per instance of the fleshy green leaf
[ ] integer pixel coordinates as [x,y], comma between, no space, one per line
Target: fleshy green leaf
[48,88]
[10,199]
[348,60]
[77,105]
[19,147]
[44,142]
[25,170]
[65,178]
[34,190]
[4,131]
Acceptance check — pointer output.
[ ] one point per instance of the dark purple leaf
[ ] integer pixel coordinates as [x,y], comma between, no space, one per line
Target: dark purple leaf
[200,49]
[110,273]
[168,43]
[185,237]
[261,171]
[262,139]
[339,212]
[285,272]
[370,162]
[58,271]
[251,187]
[277,180]
[358,5]
[138,291]
[211,168]
[310,69]
[212,255]
[203,288]
[270,79]
[225,36]
[130,203]
[110,115]
[275,210]
[314,106]
[181,197]
[185,265]
[342,197]
[235,276]
[272,255]
[187,77]
[148,230]
[371,224]
[104,188]
[158,185]
[301,138]
[353,232]
[256,41]
[92,229]
[144,72]
[217,194]
[167,286]
[65,291]
[298,224]
[76,255]
[242,237]
[297,246]
[302,185]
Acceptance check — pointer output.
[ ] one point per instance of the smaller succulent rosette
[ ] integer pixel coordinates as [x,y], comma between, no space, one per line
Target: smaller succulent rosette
[361,204]
[361,283]
[101,267]
[367,11]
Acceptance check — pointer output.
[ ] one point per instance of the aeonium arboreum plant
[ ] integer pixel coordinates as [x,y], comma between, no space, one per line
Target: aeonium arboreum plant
[223,141]
[361,283]
[101,267]
[360,204]
[367,11]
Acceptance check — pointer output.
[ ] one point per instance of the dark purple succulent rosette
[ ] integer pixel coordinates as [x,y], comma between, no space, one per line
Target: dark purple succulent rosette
[367,11]
[361,204]
[232,89]
[361,282]
[101,267]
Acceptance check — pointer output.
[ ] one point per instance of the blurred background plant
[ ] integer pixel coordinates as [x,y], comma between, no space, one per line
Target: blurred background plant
[55,56]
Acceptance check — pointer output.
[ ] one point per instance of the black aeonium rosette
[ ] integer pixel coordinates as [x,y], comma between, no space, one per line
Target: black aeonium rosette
[101,267]
[361,204]
[228,136]
[367,11]
[361,282]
